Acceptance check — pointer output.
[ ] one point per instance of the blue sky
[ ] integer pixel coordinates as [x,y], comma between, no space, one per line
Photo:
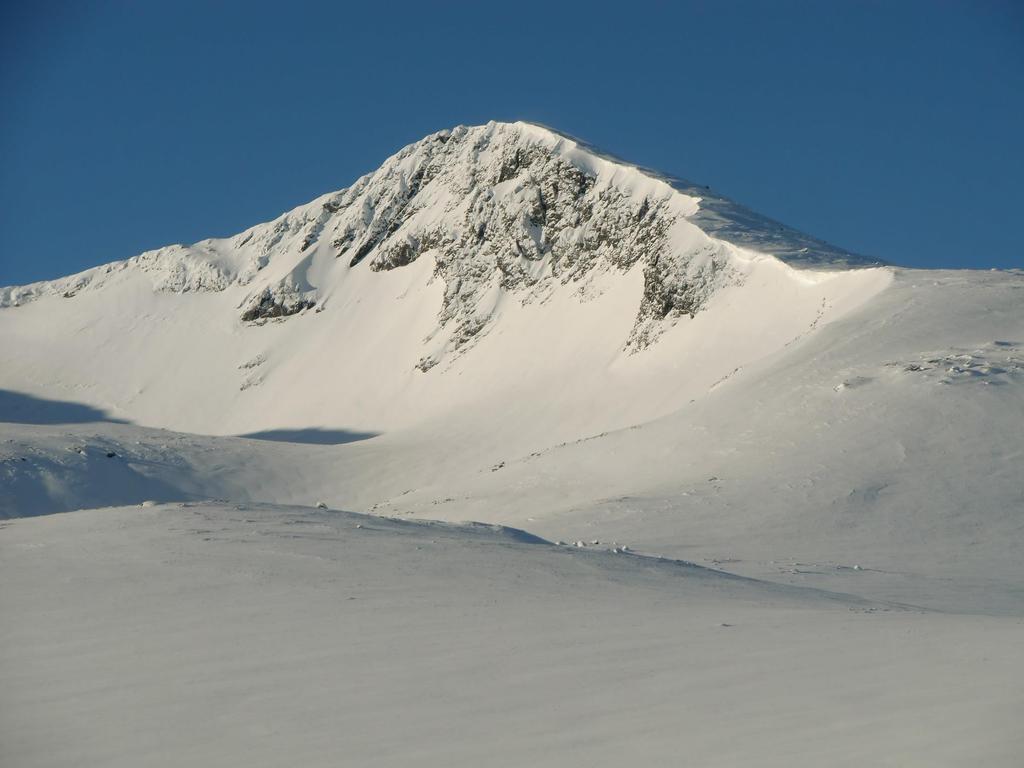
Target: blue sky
[893,128]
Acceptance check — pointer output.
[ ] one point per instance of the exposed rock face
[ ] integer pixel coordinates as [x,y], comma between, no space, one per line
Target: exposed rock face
[269,305]
[499,211]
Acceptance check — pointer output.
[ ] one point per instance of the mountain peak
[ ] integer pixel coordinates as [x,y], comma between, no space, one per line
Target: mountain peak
[480,258]
[716,214]
[484,217]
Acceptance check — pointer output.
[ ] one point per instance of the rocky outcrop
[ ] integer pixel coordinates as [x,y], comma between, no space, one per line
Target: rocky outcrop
[268,305]
[498,210]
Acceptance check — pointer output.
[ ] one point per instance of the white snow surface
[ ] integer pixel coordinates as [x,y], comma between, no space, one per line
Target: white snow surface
[793,477]
[215,634]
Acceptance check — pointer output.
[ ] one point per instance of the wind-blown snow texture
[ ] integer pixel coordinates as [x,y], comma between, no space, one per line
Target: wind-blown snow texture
[502,324]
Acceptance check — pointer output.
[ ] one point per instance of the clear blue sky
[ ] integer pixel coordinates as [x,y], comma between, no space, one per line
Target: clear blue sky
[894,129]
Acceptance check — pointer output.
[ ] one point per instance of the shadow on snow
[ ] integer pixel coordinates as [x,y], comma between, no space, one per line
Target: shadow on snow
[311,436]
[19,408]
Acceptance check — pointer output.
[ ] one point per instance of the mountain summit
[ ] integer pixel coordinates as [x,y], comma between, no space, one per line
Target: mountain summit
[507,236]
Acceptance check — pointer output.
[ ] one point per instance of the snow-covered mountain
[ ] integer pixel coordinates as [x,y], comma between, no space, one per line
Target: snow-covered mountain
[502,324]
[475,261]
[505,298]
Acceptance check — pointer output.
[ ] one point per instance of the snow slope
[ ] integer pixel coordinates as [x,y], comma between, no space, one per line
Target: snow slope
[502,324]
[258,636]
[889,440]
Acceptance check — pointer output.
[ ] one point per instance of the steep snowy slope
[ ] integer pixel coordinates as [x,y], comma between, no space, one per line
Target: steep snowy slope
[478,265]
